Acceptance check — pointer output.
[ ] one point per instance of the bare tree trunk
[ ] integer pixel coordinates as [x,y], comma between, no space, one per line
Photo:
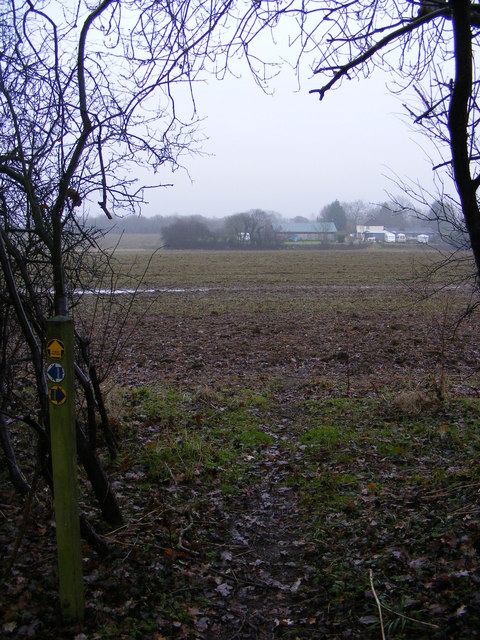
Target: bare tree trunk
[94,394]
[89,534]
[28,332]
[98,479]
[90,400]
[109,436]
[458,123]
[16,477]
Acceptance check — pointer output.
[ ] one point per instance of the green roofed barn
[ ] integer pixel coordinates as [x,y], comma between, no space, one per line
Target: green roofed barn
[305,231]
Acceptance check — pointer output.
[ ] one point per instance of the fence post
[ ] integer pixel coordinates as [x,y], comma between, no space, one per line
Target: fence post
[60,377]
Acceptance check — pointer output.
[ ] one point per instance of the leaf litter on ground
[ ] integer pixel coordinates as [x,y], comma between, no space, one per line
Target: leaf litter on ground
[269,473]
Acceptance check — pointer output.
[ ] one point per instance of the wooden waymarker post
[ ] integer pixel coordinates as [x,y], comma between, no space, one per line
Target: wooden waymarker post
[60,376]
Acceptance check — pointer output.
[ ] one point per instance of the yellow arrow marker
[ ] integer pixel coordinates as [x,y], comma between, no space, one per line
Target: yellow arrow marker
[55,349]
[57,395]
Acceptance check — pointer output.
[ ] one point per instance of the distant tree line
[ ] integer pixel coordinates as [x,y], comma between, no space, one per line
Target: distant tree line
[256,228]
[251,229]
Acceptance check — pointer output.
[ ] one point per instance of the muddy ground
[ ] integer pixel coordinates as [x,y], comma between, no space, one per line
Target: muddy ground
[252,545]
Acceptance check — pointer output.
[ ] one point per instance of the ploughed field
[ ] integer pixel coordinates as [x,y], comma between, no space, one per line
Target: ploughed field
[300,433]
[355,323]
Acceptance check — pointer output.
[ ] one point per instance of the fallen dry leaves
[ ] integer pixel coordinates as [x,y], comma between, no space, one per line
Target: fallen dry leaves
[277,539]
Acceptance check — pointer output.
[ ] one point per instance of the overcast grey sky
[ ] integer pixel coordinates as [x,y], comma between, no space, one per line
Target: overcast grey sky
[291,153]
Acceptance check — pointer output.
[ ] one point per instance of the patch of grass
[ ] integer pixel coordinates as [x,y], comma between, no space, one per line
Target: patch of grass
[353,445]
[229,489]
[325,489]
[324,436]
[416,402]
[184,456]
[164,406]
[375,485]
[393,451]
[200,434]
[259,400]
[254,437]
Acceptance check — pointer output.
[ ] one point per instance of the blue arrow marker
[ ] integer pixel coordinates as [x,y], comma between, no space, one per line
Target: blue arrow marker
[55,372]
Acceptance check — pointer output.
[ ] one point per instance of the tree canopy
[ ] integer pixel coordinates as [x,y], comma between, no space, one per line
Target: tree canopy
[187,233]
[89,95]
[334,212]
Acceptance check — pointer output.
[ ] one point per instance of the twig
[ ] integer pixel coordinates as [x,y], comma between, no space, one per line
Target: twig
[400,615]
[132,523]
[251,583]
[379,605]
[440,493]
[173,479]
[463,512]
[180,538]
[130,550]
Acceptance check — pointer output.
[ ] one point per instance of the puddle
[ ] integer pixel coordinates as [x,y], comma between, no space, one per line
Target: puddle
[123,292]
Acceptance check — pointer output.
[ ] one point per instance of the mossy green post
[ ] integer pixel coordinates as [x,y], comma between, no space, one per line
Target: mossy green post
[60,376]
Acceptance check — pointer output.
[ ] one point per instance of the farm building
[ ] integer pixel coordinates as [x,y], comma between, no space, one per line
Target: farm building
[424,236]
[376,236]
[362,229]
[370,233]
[305,231]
